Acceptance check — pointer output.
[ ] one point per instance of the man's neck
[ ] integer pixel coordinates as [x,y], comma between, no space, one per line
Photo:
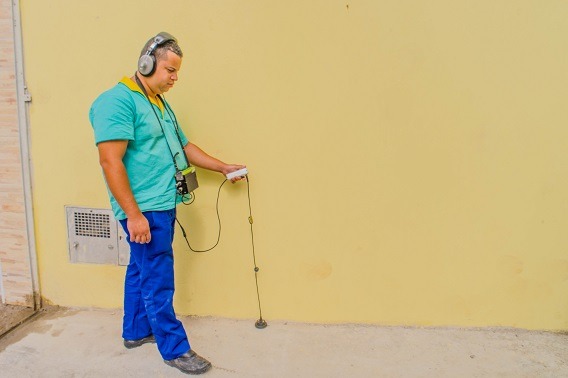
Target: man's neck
[146,88]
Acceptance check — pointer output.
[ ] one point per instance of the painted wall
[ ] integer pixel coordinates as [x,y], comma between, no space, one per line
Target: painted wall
[408,159]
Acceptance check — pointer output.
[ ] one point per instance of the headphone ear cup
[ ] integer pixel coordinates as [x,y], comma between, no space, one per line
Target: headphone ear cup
[146,65]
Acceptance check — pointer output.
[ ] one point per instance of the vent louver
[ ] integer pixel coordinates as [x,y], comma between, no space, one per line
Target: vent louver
[94,225]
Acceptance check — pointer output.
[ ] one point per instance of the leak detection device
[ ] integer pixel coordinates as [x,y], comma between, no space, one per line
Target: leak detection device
[240,173]
[186,181]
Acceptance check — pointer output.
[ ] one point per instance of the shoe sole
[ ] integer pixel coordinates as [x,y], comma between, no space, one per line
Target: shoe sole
[193,372]
[136,344]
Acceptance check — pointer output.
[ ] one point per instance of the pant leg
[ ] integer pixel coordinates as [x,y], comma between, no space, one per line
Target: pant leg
[156,274]
[135,323]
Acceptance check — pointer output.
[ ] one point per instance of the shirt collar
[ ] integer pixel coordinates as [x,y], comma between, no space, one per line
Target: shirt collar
[131,84]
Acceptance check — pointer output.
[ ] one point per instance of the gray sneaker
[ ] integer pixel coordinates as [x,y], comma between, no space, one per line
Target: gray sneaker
[190,363]
[136,343]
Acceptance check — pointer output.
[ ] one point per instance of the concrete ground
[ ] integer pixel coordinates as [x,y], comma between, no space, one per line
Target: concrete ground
[61,342]
[11,316]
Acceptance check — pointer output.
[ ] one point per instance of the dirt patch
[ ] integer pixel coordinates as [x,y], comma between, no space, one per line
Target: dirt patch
[11,316]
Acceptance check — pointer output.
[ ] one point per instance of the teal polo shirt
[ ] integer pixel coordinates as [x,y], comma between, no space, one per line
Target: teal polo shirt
[124,113]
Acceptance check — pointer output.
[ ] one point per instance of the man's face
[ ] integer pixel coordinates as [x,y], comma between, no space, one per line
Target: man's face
[166,73]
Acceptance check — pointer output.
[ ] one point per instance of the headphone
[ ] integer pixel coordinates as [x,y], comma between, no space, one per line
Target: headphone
[147,62]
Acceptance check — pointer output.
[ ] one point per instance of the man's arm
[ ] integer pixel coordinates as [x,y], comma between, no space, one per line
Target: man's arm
[201,159]
[110,158]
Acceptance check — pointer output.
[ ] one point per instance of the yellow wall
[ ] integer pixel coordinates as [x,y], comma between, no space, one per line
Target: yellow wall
[408,158]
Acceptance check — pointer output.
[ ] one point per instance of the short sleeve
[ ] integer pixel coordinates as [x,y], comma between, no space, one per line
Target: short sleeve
[183,138]
[112,117]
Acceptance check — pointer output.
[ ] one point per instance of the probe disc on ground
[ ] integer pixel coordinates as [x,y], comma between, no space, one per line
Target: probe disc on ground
[260,324]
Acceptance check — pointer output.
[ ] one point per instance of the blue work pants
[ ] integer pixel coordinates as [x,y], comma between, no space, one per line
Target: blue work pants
[149,288]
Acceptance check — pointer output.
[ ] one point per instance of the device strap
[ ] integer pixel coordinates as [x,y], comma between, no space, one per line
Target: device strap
[172,116]
[161,126]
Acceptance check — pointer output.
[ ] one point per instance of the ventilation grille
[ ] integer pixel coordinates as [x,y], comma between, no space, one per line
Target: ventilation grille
[93,225]
[95,237]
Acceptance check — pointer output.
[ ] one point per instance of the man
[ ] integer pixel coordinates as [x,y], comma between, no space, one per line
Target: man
[140,149]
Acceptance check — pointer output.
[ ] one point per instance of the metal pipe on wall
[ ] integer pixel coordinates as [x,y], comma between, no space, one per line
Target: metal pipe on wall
[23,126]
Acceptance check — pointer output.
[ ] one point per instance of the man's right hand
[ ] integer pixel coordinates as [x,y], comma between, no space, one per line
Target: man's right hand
[139,229]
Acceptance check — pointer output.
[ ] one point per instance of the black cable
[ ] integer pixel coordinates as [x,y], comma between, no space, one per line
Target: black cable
[260,323]
[158,118]
[174,119]
[218,220]
[185,200]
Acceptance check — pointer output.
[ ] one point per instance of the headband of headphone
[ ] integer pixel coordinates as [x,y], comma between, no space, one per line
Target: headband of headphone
[147,62]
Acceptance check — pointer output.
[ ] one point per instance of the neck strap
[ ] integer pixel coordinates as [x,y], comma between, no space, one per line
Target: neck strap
[176,127]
